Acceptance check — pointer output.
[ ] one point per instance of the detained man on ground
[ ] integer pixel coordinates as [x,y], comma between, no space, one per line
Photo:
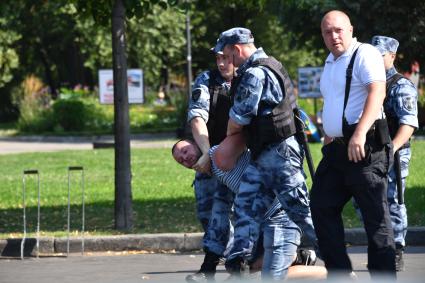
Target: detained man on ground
[281,235]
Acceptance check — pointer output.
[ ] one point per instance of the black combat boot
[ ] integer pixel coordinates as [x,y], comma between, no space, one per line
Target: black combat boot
[399,261]
[235,268]
[207,271]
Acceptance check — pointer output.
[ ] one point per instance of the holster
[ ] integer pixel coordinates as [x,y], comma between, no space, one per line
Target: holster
[382,133]
[378,131]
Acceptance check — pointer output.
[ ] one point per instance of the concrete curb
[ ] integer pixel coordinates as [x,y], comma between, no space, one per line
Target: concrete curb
[357,236]
[145,242]
[182,242]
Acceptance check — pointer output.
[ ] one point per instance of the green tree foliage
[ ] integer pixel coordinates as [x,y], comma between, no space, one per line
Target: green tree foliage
[66,42]
[154,42]
[9,59]
[157,43]
[404,20]
[47,46]
[100,10]
[264,19]
[154,38]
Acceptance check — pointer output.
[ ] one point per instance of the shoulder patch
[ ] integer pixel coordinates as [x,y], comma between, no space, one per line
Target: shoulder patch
[196,94]
[409,103]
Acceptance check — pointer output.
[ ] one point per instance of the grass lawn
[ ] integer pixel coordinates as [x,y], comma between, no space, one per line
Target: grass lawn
[163,198]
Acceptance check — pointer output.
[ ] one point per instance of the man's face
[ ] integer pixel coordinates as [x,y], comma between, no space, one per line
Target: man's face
[186,153]
[231,52]
[388,60]
[415,67]
[337,33]
[225,66]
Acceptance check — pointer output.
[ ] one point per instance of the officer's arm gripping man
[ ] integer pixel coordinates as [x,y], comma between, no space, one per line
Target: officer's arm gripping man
[200,134]
[198,116]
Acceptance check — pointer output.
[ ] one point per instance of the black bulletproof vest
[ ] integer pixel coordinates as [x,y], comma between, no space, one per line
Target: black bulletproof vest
[220,103]
[279,124]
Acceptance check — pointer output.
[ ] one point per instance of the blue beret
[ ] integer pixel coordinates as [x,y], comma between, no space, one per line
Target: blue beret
[233,36]
[385,44]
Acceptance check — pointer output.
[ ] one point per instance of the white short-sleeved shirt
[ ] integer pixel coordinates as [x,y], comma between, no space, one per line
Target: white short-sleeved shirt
[368,68]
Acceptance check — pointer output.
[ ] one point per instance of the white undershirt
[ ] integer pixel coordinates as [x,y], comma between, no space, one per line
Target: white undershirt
[368,68]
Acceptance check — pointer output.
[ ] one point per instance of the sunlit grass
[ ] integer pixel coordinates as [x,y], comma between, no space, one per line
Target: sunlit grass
[163,199]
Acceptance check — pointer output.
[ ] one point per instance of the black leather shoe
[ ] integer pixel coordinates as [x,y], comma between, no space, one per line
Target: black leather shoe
[237,267]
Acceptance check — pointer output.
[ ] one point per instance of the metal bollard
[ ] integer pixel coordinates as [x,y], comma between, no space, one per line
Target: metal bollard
[30,172]
[81,169]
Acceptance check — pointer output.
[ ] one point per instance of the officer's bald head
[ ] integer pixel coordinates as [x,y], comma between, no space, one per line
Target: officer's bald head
[335,14]
[337,32]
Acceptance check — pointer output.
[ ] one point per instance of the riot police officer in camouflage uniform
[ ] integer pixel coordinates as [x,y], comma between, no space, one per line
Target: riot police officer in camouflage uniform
[208,115]
[401,110]
[263,106]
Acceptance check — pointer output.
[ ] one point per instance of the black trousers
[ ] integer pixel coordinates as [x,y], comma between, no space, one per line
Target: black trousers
[336,181]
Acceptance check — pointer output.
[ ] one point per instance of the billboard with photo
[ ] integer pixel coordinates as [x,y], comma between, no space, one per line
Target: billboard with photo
[134,82]
[309,82]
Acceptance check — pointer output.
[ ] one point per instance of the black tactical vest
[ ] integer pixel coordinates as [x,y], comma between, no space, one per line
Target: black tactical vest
[279,124]
[220,103]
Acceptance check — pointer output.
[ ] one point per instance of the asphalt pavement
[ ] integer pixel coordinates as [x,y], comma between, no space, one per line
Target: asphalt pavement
[162,267]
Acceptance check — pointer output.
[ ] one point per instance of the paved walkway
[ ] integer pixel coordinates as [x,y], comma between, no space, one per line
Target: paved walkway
[130,267]
[21,144]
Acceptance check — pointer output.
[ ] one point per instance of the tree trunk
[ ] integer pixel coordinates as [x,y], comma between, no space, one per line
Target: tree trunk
[47,72]
[123,198]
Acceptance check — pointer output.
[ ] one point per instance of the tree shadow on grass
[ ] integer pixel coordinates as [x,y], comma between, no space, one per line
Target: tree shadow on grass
[150,216]
[170,215]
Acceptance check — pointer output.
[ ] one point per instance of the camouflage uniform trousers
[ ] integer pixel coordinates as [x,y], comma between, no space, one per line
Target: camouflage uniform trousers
[398,212]
[213,201]
[281,236]
[278,169]
[218,237]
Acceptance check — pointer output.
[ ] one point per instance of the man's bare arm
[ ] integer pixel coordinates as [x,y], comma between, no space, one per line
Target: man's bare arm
[200,134]
[228,152]
[402,136]
[233,127]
